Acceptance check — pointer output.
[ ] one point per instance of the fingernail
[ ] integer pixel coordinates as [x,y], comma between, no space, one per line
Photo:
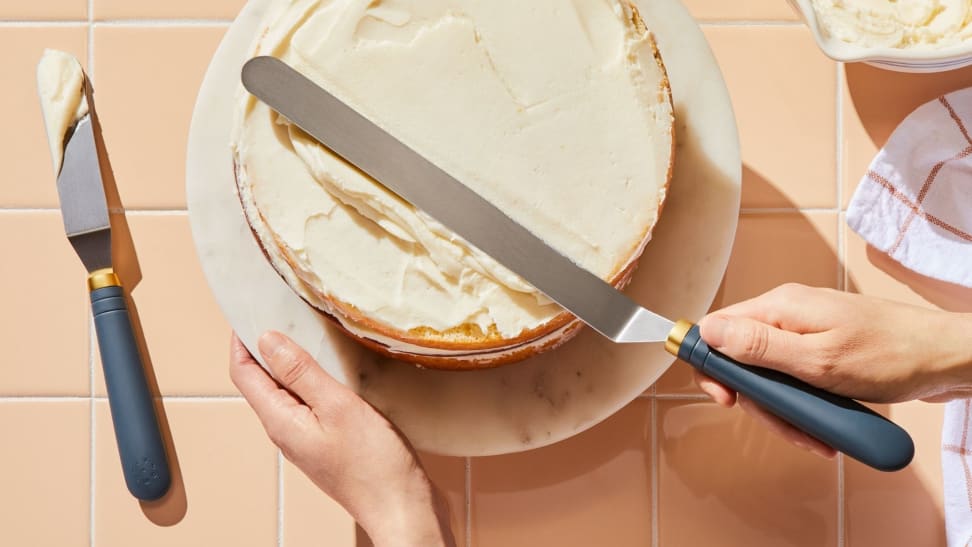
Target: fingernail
[716,330]
[270,342]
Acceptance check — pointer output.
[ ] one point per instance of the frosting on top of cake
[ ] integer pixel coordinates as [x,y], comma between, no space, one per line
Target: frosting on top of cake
[557,112]
[60,83]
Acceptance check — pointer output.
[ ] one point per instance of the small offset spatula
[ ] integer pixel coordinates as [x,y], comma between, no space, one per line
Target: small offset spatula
[84,209]
[842,423]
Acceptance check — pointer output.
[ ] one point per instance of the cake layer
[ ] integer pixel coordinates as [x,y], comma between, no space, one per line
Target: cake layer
[557,112]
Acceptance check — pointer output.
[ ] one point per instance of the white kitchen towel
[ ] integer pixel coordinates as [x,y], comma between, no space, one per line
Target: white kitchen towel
[957,472]
[915,202]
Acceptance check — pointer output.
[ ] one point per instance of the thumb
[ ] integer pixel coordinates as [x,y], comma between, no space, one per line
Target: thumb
[754,343]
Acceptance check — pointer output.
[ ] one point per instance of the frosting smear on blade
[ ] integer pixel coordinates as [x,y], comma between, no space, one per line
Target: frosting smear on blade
[555,111]
[60,82]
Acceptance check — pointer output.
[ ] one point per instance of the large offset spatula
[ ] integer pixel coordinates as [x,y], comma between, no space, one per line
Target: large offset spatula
[839,422]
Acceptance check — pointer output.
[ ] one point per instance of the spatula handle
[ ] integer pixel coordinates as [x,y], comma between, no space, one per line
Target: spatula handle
[842,423]
[140,445]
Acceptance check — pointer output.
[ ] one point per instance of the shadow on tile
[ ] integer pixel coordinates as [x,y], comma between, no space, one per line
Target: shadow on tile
[171,508]
[883,98]
[945,295]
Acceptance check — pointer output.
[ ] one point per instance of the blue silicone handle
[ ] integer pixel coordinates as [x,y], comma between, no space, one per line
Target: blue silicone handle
[140,445]
[842,423]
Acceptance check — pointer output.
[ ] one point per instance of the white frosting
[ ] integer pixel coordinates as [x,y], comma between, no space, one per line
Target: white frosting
[558,114]
[60,83]
[918,24]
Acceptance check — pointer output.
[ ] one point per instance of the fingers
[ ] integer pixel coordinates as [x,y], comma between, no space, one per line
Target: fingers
[297,371]
[785,430]
[718,392]
[271,403]
[755,343]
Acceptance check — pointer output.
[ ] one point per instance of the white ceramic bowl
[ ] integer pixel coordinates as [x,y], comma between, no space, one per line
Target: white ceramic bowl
[901,60]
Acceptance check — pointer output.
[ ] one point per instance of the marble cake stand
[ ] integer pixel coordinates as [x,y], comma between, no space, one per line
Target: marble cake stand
[528,404]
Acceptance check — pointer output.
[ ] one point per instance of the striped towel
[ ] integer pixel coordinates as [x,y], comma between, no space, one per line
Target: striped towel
[915,204]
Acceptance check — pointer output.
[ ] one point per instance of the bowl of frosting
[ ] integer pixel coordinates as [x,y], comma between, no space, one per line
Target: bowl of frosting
[902,35]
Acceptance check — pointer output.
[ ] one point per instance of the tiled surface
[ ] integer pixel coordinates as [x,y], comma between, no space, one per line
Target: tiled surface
[145,106]
[45,473]
[224,482]
[44,325]
[786,117]
[668,470]
[748,487]
[48,10]
[592,489]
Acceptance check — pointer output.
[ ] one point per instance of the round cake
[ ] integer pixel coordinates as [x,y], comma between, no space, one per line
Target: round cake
[559,113]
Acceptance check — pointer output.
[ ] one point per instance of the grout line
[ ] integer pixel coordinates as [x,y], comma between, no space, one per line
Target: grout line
[164,23]
[654,473]
[44,398]
[841,270]
[681,397]
[841,227]
[215,22]
[786,210]
[92,437]
[841,540]
[280,499]
[749,23]
[34,24]
[90,32]
[468,488]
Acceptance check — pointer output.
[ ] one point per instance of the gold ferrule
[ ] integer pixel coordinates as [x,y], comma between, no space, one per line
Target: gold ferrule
[676,335]
[102,278]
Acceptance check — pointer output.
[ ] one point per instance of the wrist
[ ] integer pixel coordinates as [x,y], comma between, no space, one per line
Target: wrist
[410,516]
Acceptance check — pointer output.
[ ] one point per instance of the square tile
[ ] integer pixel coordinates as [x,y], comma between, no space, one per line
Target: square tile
[770,249]
[45,330]
[29,173]
[186,334]
[787,118]
[173,9]
[724,479]
[741,10]
[45,476]
[224,488]
[146,82]
[48,10]
[905,507]
[591,489]
[875,101]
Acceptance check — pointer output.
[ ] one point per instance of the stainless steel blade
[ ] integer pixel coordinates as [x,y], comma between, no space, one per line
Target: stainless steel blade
[82,196]
[406,173]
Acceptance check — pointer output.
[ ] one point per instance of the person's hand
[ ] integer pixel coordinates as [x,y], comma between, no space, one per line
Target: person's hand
[860,347]
[345,446]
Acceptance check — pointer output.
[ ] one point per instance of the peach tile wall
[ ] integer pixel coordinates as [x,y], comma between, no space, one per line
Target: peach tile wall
[670,469]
